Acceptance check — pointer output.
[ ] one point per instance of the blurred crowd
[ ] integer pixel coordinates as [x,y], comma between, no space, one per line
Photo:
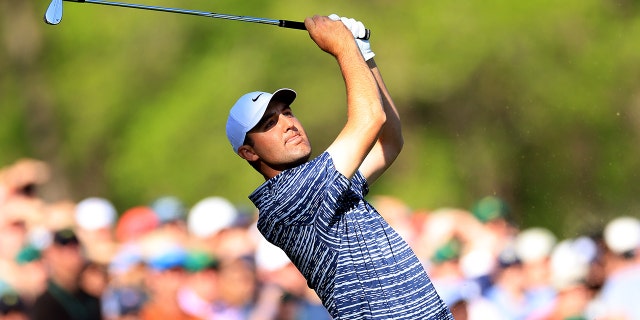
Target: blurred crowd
[166,260]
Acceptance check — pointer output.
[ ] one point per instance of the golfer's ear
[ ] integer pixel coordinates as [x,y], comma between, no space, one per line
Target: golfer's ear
[246,152]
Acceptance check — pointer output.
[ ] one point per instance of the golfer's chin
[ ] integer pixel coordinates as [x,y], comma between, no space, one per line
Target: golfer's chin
[297,157]
[300,161]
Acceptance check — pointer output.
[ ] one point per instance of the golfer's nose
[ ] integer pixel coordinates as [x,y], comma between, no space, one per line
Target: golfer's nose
[287,121]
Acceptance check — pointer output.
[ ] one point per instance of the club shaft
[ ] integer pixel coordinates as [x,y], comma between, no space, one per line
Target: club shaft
[280,23]
[184,11]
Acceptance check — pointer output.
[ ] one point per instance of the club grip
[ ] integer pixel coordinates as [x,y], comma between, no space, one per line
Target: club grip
[292,24]
[300,26]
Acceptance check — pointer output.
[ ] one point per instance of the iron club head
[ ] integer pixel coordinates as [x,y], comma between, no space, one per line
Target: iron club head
[54,12]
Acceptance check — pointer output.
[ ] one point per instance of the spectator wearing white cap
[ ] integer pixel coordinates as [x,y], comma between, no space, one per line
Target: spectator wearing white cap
[209,216]
[618,297]
[533,247]
[214,224]
[570,262]
[95,219]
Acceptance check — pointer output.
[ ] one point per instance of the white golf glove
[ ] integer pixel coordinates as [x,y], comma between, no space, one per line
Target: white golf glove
[358,30]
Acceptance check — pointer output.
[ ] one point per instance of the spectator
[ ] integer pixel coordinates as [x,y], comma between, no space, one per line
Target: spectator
[60,215]
[126,303]
[64,298]
[508,290]
[497,232]
[135,223]
[170,211]
[12,307]
[126,292]
[569,263]
[22,178]
[533,247]
[494,214]
[94,279]
[95,219]
[200,290]
[31,277]
[462,294]
[165,259]
[618,297]
[283,293]
[237,287]
[172,216]
[164,267]
[213,225]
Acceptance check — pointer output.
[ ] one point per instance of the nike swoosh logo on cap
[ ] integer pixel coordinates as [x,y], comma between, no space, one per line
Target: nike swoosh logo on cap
[256,98]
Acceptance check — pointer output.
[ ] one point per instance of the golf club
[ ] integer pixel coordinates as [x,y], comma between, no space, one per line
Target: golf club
[53,15]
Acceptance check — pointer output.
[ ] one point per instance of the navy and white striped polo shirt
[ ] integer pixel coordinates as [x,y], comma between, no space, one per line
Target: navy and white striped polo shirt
[359,266]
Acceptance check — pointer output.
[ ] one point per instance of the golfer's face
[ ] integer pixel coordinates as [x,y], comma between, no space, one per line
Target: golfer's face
[279,138]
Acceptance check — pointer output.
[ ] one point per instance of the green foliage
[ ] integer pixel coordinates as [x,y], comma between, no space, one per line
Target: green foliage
[537,102]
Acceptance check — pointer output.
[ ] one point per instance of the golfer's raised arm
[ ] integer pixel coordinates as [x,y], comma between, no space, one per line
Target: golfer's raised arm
[365,115]
[390,140]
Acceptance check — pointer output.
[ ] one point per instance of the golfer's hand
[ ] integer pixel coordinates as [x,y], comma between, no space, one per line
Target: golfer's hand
[359,31]
[330,35]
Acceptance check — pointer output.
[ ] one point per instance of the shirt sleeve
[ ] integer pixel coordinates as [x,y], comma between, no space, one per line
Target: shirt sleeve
[308,190]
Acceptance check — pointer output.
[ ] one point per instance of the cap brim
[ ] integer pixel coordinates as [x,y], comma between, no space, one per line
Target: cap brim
[285,95]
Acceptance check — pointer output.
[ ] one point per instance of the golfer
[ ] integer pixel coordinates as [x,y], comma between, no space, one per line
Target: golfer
[315,209]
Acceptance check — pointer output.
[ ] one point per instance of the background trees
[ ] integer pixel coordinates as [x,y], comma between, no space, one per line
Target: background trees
[537,102]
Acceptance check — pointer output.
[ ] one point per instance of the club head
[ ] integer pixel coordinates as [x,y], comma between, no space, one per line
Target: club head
[54,12]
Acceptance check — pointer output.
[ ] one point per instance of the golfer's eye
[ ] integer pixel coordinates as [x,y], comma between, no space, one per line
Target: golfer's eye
[270,123]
